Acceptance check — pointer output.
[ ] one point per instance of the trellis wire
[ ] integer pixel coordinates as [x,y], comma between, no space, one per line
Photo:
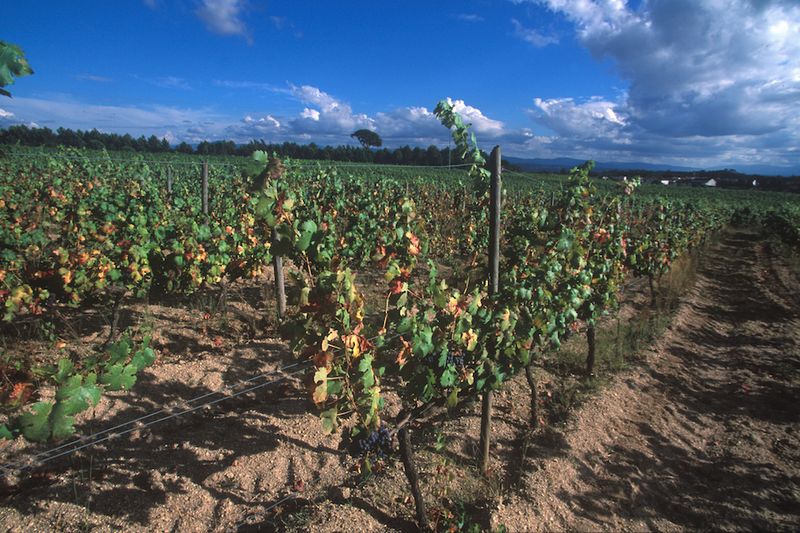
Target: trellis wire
[543,184]
[164,410]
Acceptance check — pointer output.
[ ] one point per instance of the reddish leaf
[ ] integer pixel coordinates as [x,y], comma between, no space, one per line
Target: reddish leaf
[396,286]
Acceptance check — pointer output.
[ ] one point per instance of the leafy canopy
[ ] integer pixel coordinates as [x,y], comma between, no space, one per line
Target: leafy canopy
[368,138]
[12,63]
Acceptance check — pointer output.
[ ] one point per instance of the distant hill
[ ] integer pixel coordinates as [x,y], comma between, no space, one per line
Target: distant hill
[555,165]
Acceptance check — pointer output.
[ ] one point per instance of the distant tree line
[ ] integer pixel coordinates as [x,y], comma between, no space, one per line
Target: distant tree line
[95,140]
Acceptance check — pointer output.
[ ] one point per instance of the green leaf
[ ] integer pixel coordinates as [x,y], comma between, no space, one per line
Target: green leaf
[77,395]
[365,364]
[448,378]
[257,165]
[35,425]
[12,63]
[118,377]
[65,369]
[6,433]
[119,351]
[334,386]
[401,301]
[452,398]
[61,422]
[565,240]
[307,230]
[329,421]
[144,357]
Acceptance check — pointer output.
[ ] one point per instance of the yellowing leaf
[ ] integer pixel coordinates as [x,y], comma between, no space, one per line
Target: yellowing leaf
[470,338]
[357,344]
[320,394]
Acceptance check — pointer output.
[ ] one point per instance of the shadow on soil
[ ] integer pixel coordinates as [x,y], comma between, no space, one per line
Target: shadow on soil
[731,377]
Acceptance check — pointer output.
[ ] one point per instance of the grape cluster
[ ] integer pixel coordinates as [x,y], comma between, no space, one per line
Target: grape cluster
[376,446]
[454,359]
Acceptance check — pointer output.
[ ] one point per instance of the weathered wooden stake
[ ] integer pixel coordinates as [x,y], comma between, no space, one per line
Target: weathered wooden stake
[279,286]
[590,339]
[169,181]
[407,456]
[534,395]
[205,190]
[495,199]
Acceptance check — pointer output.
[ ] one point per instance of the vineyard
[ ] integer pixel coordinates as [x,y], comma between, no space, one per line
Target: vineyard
[144,297]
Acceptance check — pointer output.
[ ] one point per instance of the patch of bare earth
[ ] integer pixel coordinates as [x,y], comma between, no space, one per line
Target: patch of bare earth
[702,433]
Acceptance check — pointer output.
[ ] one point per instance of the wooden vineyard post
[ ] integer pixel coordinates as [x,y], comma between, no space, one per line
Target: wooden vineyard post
[279,286]
[205,190]
[590,340]
[407,457]
[169,182]
[534,394]
[117,292]
[495,199]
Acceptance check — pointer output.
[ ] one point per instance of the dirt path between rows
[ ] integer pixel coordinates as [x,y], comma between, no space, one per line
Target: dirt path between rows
[702,432]
[705,434]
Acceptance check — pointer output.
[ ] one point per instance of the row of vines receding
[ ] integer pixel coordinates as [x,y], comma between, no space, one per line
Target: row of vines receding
[74,230]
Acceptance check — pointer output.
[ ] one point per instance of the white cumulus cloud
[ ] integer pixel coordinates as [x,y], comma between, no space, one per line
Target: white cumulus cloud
[532,36]
[724,74]
[224,17]
[313,114]
[332,116]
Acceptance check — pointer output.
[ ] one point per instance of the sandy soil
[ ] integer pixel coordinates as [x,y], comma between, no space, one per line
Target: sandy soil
[701,432]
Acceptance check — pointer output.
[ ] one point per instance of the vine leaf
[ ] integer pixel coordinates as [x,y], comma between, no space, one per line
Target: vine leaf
[145,357]
[329,421]
[6,433]
[317,385]
[77,394]
[307,230]
[61,423]
[119,377]
[118,352]
[470,338]
[448,378]
[65,369]
[12,63]
[35,425]
[452,398]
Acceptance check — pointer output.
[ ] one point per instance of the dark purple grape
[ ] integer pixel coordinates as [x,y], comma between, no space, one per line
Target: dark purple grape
[376,446]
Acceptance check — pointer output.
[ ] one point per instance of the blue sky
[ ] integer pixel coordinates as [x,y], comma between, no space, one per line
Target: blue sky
[701,83]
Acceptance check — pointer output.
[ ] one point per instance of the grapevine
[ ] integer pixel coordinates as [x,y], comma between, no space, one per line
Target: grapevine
[87,228]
